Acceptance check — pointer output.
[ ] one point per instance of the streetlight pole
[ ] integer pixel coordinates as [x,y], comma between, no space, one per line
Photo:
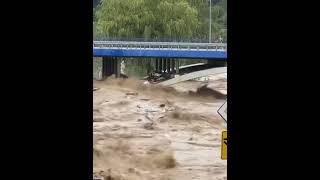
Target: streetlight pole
[210,22]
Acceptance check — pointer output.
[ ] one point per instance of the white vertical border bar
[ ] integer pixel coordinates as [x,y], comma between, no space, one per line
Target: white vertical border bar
[221,111]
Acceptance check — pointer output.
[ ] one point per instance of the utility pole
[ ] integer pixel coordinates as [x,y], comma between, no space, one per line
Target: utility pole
[210,22]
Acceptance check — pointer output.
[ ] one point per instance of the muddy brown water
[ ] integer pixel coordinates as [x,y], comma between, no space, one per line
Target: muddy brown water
[160,133]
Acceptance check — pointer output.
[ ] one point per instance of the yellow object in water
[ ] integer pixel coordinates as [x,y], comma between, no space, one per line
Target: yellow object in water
[224,145]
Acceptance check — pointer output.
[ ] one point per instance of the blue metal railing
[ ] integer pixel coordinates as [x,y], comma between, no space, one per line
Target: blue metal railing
[190,40]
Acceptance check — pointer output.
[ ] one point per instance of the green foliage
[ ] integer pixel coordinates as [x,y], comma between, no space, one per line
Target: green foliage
[146,18]
[160,19]
[218,18]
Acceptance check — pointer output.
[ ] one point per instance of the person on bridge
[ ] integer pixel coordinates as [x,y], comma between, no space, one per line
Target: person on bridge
[220,39]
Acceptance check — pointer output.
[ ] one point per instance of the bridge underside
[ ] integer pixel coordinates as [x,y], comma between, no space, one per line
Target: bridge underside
[186,54]
[112,66]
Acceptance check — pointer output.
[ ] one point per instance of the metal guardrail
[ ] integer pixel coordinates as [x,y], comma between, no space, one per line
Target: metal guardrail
[142,39]
[159,45]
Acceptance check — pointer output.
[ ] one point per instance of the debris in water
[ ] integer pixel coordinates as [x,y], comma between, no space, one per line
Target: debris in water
[104,102]
[132,93]
[98,119]
[148,126]
[98,178]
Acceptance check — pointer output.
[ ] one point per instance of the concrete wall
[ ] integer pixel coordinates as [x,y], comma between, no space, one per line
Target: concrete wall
[97,68]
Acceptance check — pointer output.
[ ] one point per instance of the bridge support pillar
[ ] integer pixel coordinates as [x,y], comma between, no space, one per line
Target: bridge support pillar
[172,64]
[177,65]
[160,65]
[157,65]
[168,65]
[110,66]
[116,67]
[164,64]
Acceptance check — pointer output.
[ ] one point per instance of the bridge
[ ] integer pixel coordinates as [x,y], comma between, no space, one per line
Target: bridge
[160,49]
[165,53]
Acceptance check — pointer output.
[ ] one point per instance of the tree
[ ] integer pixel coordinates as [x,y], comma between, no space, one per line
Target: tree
[146,18]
